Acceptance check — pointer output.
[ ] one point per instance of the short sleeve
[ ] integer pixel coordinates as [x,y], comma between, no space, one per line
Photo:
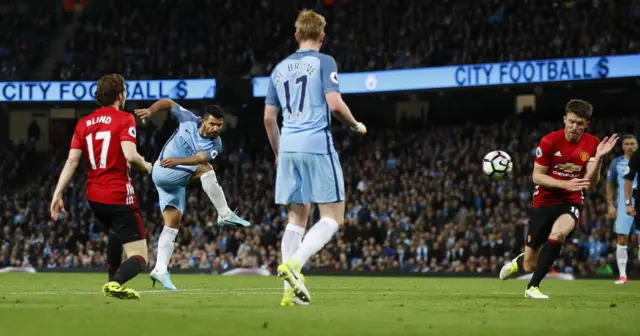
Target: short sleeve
[634,166]
[329,74]
[544,152]
[212,149]
[612,173]
[77,141]
[272,95]
[128,129]
[183,115]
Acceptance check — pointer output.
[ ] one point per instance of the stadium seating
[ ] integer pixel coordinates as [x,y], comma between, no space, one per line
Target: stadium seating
[418,202]
[32,27]
[185,39]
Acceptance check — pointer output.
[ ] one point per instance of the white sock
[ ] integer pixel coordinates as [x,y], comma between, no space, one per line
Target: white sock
[317,237]
[213,189]
[291,240]
[621,258]
[165,248]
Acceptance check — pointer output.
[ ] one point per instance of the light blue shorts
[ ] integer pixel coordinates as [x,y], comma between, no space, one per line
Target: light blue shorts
[624,224]
[304,178]
[171,184]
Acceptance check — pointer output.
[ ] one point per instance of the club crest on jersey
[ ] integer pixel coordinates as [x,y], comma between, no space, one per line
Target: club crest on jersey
[584,156]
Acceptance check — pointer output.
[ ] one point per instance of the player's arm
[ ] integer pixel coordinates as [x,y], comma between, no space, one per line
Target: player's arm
[632,171]
[595,162]
[612,177]
[329,73]
[178,111]
[271,108]
[205,155]
[128,144]
[541,178]
[70,166]
[541,167]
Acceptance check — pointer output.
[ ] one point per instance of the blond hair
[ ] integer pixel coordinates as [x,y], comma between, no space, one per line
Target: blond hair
[310,25]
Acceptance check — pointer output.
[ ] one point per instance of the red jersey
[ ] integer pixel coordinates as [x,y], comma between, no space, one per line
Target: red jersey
[566,161]
[98,135]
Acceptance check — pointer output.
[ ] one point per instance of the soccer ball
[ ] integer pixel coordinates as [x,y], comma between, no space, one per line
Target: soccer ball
[497,165]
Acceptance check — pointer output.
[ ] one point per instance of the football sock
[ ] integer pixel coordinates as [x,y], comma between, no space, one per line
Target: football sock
[165,248]
[621,258]
[129,269]
[114,255]
[520,263]
[548,255]
[317,237]
[291,240]
[213,189]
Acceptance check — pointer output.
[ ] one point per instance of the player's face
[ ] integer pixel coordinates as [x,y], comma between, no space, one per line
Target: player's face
[574,126]
[211,127]
[629,146]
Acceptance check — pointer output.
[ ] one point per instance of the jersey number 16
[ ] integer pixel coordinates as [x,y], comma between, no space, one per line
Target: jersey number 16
[302,80]
[106,140]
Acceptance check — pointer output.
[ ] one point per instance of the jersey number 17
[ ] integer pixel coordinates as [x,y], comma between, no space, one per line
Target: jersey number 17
[105,136]
[302,81]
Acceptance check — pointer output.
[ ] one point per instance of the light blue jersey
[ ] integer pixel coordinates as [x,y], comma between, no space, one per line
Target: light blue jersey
[298,86]
[308,170]
[616,173]
[185,141]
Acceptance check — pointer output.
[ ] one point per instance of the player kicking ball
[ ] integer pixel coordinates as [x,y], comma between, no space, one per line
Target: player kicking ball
[305,86]
[184,158]
[623,226]
[567,162]
[107,138]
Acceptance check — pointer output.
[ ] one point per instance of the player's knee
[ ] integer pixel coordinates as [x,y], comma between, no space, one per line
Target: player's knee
[204,170]
[171,217]
[558,236]
[137,249]
[623,240]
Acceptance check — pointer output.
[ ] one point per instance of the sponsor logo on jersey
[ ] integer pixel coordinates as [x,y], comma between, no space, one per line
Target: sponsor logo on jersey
[558,154]
[568,169]
[584,156]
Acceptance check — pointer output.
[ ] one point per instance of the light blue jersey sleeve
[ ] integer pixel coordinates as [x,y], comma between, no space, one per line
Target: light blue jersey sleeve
[329,74]
[272,95]
[212,148]
[612,174]
[183,115]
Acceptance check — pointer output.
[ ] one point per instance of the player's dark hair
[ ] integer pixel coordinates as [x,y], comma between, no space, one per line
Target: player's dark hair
[629,136]
[214,111]
[108,89]
[581,108]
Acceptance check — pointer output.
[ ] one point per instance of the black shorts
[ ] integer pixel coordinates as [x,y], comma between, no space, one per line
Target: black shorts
[123,221]
[542,220]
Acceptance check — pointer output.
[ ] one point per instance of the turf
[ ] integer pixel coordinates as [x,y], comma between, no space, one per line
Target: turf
[71,304]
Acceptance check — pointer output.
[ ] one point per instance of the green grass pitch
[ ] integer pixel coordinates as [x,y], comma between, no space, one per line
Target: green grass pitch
[71,304]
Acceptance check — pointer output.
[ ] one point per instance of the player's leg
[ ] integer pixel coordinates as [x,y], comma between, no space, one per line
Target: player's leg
[622,227]
[540,224]
[321,183]
[562,227]
[212,188]
[128,228]
[114,255]
[171,215]
[298,216]
[289,193]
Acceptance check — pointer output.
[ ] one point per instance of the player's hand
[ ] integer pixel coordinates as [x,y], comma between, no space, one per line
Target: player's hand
[360,128]
[576,184]
[148,167]
[606,145]
[631,210]
[169,162]
[57,206]
[143,114]
[611,213]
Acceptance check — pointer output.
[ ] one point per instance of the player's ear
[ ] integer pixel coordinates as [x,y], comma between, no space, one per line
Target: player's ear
[297,37]
[322,35]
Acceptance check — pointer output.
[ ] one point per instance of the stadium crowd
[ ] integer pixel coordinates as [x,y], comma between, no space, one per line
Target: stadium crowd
[417,202]
[187,39]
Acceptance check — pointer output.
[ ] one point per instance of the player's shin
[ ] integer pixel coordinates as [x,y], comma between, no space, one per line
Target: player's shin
[621,259]
[129,269]
[213,189]
[114,255]
[548,255]
[291,240]
[165,249]
[317,237]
